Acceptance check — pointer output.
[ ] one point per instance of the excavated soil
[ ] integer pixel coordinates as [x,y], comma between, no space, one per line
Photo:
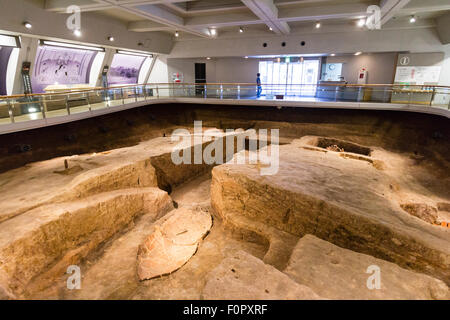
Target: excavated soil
[353,188]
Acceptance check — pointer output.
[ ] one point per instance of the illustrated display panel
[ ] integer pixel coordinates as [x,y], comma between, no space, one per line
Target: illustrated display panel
[61,66]
[125,69]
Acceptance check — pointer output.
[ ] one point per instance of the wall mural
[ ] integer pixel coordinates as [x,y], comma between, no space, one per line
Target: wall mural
[5,53]
[125,69]
[65,66]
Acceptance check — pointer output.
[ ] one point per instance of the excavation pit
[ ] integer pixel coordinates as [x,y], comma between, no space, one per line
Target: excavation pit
[342,146]
[265,227]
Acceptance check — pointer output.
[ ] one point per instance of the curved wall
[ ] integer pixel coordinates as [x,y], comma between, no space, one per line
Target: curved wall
[5,54]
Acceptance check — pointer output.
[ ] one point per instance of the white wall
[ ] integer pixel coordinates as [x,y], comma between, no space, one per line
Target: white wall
[445,71]
[237,70]
[380,66]
[186,67]
[159,73]
[385,40]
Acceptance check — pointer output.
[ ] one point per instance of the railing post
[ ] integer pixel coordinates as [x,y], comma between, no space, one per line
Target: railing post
[359,93]
[204,90]
[221,91]
[67,105]
[121,92]
[42,105]
[239,92]
[157,91]
[432,96]
[144,92]
[10,111]
[135,94]
[89,103]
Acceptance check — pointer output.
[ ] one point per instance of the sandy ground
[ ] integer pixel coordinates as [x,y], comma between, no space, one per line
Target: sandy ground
[110,273]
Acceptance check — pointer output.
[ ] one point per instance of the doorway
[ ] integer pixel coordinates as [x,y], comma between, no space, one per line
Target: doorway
[200,78]
[296,78]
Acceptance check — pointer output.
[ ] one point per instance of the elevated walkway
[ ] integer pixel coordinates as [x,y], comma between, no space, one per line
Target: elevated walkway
[24,112]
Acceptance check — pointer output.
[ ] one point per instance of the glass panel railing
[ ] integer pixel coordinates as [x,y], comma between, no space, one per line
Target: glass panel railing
[36,107]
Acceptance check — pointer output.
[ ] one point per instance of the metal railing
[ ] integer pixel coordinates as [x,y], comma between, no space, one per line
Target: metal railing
[21,108]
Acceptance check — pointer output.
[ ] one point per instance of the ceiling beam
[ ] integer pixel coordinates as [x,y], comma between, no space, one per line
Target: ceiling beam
[89,5]
[268,12]
[287,15]
[389,8]
[425,6]
[221,20]
[344,11]
[85,5]
[147,26]
[158,14]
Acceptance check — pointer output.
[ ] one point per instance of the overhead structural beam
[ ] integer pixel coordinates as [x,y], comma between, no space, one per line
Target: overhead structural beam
[162,16]
[147,26]
[391,7]
[425,6]
[268,12]
[85,5]
[89,5]
[344,11]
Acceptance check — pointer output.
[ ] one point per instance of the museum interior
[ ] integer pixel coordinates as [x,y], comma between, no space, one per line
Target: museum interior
[224,149]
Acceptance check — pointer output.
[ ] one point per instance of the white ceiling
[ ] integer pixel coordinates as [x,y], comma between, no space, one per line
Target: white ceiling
[197,17]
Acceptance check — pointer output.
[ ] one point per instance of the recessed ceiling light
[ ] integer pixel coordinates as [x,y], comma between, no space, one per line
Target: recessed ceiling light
[270,28]
[213,31]
[176,34]
[241,29]
[246,57]
[77,33]
[318,25]
[27,25]
[361,23]
[111,39]
[358,53]
[333,54]
[208,58]
[412,19]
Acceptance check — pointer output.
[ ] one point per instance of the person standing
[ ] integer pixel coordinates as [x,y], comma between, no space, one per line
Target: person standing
[258,85]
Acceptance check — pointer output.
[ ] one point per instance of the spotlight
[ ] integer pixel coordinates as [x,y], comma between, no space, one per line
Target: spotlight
[176,34]
[333,54]
[412,19]
[213,31]
[208,58]
[77,33]
[111,39]
[27,25]
[270,28]
[358,53]
[361,23]
[318,25]
[241,29]
[246,57]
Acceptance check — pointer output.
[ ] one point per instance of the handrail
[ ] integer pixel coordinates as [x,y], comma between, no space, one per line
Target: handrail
[214,84]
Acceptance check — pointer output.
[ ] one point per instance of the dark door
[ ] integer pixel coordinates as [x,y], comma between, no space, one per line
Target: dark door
[200,78]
